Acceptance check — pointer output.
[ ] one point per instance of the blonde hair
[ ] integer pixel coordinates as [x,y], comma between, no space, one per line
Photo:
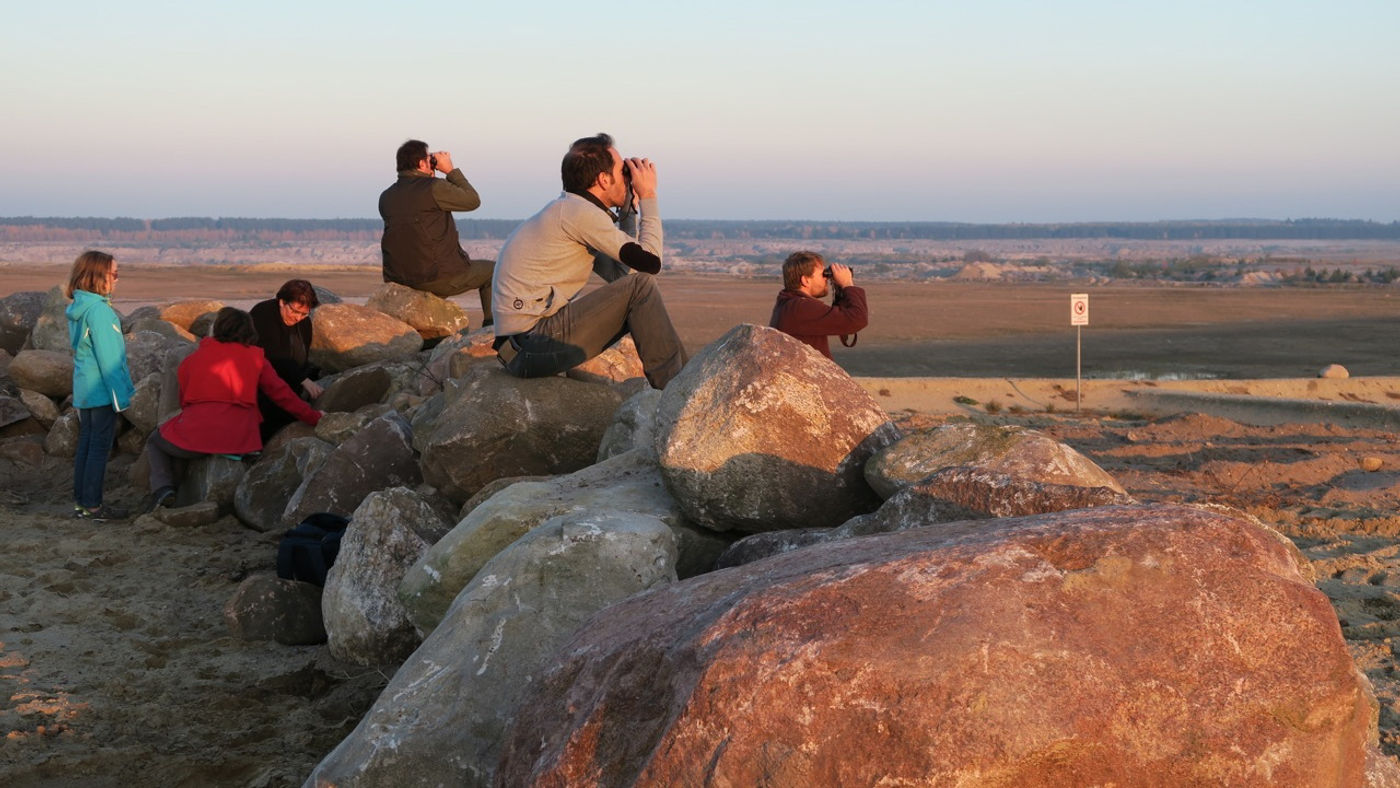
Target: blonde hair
[90,273]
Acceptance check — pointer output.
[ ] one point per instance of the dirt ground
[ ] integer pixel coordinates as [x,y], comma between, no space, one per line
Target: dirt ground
[116,667]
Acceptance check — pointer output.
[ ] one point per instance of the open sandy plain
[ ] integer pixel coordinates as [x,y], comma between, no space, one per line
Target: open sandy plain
[116,668]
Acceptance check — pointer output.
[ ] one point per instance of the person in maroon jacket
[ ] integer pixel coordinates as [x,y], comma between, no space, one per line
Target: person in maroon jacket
[219,385]
[800,310]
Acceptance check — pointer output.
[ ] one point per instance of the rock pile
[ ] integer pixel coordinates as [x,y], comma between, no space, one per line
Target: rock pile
[535,559]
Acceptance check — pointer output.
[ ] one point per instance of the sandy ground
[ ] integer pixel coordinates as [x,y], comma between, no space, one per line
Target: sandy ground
[116,667]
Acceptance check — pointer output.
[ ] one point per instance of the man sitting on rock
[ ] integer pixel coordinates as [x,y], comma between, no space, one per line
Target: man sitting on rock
[541,328]
[801,312]
[420,244]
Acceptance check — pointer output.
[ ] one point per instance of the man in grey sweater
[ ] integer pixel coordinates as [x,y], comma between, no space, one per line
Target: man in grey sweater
[541,327]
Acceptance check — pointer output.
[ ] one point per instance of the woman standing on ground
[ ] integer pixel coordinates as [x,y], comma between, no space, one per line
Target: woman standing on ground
[102,385]
[283,324]
[219,386]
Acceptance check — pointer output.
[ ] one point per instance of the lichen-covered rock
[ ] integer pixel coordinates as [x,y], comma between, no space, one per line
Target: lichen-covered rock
[495,425]
[442,717]
[430,315]
[170,331]
[760,432]
[365,621]
[627,484]
[1117,645]
[347,335]
[355,388]
[337,428]
[1015,451]
[49,372]
[145,352]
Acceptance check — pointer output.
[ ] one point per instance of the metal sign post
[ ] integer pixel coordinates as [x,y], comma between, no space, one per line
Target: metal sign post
[1078,317]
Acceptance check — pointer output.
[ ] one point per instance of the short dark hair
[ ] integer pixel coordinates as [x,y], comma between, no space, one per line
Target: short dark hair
[586,160]
[409,154]
[90,273]
[298,291]
[798,265]
[234,325]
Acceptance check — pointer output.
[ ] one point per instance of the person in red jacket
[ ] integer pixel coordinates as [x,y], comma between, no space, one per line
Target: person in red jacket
[219,385]
[800,310]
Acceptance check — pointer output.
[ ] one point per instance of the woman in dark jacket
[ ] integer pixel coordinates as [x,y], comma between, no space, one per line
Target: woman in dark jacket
[283,324]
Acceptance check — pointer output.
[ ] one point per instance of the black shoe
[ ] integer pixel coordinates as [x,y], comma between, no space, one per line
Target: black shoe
[101,514]
[162,497]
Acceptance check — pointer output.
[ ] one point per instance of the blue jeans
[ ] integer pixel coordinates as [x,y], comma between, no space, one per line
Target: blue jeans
[96,426]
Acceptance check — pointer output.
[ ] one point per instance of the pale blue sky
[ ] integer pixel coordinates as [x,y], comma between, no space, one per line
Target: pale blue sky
[881,110]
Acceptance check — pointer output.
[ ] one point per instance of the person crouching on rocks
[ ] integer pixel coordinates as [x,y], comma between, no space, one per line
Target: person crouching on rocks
[102,385]
[219,385]
[283,324]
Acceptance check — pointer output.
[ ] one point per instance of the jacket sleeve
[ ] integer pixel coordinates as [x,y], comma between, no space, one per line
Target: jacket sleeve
[593,228]
[455,193]
[277,391]
[109,351]
[846,315]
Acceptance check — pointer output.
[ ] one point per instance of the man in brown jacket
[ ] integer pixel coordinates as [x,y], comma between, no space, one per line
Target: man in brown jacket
[800,310]
[420,244]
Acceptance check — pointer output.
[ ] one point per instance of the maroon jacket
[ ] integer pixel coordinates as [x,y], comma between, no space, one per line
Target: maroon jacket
[812,320]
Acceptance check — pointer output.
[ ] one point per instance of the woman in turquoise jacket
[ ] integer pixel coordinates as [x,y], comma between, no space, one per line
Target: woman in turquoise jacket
[101,381]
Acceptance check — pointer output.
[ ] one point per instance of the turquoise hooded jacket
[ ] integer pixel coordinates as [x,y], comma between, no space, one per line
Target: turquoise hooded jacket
[100,374]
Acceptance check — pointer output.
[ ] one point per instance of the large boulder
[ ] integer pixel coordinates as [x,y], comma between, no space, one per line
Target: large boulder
[62,440]
[13,410]
[1117,645]
[262,494]
[970,493]
[49,372]
[760,432]
[430,315]
[356,388]
[41,407]
[184,313]
[378,457]
[154,325]
[1015,451]
[18,314]
[452,356]
[144,411]
[496,425]
[50,330]
[614,365]
[266,607]
[441,719]
[212,477]
[170,380]
[347,335]
[145,352]
[365,621]
[626,484]
[633,426]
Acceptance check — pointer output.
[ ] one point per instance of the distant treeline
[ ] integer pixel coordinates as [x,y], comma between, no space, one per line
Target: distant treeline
[122,229]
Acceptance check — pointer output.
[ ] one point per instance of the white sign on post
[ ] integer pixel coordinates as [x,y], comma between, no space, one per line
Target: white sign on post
[1079,309]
